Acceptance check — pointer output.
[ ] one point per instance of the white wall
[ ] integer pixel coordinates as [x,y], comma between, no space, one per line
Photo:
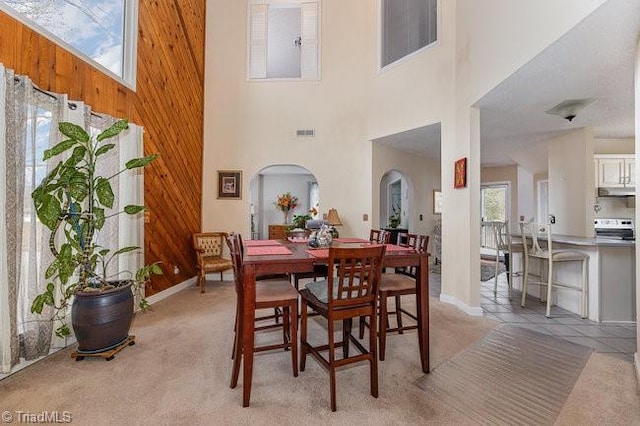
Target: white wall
[571,192]
[250,125]
[422,176]
[526,201]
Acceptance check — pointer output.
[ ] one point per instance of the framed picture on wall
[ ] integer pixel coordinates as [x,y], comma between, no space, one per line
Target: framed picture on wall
[230,184]
[460,173]
[437,201]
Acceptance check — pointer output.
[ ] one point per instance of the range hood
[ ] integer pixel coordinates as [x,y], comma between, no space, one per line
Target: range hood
[616,192]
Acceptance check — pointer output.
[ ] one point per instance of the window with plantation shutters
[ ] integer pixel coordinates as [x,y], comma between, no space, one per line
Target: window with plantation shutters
[407,26]
[283,40]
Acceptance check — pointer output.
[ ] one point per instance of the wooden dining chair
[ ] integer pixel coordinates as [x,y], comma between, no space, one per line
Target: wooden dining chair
[209,253]
[379,236]
[352,293]
[397,285]
[276,293]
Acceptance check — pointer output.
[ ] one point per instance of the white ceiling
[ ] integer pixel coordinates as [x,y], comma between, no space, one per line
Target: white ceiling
[593,60]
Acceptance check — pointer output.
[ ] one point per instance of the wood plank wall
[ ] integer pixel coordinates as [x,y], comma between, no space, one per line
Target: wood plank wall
[168,103]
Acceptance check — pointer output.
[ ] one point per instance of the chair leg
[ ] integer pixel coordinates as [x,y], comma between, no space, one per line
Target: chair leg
[303,335]
[585,287]
[524,280]
[383,329]
[495,274]
[509,267]
[202,279]
[286,330]
[361,326]
[346,332]
[398,315]
[373,359]
[332,367]
[549,285]
[294,337]
[237,355]
[221,276]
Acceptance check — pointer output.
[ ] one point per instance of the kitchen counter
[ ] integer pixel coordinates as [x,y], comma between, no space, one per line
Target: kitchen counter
[612,283]
[597,241]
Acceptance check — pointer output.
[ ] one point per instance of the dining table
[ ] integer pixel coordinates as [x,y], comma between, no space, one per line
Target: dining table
[294,256]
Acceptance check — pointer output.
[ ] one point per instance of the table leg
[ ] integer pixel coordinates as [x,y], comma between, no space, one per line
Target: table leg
[422,301]
[248,321]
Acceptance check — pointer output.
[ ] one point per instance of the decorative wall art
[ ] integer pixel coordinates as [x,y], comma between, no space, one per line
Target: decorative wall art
[460,173]
[230,184]
[437,201]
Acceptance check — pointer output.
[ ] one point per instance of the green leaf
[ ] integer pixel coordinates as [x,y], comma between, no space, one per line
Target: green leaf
[133,209]
[63,331]
[141,162]
[59,148]
[104,149]
[38,304]
[51,270]
[50,287]
[49,210]
[155,269]
[126,250]
[73,131]
[77,185]
[98,215]
[114,130]
[77,156]
[104,192]
[66,263]
[104,252]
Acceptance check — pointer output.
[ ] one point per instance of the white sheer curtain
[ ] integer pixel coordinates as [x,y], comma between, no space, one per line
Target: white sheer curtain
[28,125]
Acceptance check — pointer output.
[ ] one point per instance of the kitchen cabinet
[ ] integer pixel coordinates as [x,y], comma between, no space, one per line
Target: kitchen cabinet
[615,171]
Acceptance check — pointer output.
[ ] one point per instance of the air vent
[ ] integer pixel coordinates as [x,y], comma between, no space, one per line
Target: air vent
[308,133]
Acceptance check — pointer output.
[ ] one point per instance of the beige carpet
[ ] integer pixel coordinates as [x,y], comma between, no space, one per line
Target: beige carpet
[178,373]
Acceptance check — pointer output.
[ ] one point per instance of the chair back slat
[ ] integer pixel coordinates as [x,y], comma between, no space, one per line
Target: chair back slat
[235,246]
[358,275]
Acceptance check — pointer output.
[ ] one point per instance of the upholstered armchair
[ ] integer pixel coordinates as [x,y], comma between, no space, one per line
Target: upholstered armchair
[209,248]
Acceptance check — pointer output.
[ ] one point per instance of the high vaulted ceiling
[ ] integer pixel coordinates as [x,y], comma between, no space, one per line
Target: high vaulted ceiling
[593,60]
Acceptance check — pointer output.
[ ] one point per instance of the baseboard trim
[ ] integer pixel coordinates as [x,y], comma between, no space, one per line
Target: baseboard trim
[171,290]
[469,310]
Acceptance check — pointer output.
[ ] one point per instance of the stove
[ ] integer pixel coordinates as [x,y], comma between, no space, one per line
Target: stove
[616,228]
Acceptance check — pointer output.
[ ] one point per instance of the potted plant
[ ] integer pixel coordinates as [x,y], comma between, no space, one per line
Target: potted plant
[300,220]
[74,202]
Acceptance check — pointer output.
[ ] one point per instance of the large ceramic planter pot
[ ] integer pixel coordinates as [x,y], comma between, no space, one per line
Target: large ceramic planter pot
[101,320]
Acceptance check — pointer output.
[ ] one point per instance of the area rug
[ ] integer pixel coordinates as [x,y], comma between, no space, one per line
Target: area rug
[511,376]
[487,269]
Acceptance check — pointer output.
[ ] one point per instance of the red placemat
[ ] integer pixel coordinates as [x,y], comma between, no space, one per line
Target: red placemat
[298,240]
[319,252]
[393,247]
[350,240]
[267,250]
[255,243]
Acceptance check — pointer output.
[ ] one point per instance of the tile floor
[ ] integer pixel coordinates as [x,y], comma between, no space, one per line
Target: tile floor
[616,339]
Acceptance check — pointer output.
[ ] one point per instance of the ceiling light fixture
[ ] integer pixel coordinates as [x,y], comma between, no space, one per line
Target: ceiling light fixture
[569,109]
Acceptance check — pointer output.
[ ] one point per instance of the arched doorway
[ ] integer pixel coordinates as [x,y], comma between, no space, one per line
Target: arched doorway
[395,202]
[271,182]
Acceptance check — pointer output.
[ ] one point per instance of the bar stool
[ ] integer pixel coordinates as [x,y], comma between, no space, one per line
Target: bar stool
[506,248]
[552,256]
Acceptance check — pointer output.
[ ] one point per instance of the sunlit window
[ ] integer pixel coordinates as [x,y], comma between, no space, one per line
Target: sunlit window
[102,31]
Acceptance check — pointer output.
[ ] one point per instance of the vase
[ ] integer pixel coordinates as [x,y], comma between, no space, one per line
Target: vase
[286,217]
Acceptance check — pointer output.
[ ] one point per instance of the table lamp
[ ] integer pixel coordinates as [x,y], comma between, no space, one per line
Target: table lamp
[334,220]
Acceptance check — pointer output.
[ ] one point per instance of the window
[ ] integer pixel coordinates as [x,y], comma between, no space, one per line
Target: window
[494,199]
[283,39]
[407,26]
[101,31]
